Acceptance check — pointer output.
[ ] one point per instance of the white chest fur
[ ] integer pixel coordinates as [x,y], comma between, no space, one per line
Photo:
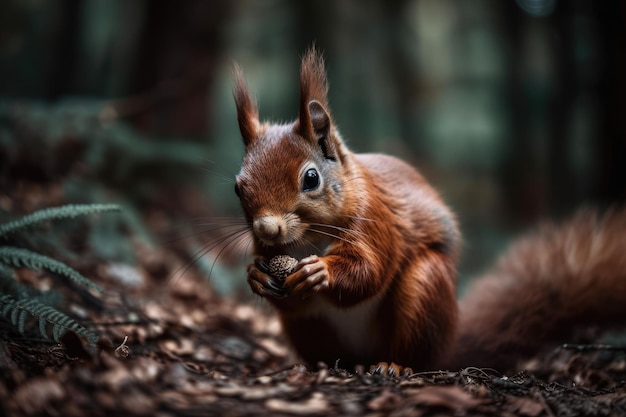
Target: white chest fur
[354,325]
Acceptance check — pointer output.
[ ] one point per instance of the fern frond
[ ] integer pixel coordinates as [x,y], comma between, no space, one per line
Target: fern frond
[20,310]
[67,211]
[21,257]
[6,272]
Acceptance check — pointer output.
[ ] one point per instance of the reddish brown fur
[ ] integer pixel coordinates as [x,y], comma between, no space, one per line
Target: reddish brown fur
[547,284]
[397,247]
[383,288]
[397,257]
[313,86]
[247,114]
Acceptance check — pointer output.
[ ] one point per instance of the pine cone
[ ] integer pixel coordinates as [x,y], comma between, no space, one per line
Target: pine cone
[281,266]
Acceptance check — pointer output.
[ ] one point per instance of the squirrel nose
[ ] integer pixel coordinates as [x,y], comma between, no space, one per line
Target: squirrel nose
[267,228]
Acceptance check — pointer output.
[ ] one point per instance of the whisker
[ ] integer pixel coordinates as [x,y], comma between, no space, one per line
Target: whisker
[207,247]
[354,234]
[222,224]
[227,177]
[234,241]
[332,226]
[334,236]
[219,229]
[365,219]
[304,242]
[213,219]
[355,242]
[354,178]
[218,175]
[351,232]
[212,226]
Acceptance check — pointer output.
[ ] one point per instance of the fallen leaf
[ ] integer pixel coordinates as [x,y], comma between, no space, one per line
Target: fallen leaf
[35,395]
[317,404]
[386,401]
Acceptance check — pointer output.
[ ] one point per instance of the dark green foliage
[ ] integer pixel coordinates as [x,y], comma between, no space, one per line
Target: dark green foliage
[17,303]
[16,257]
[68,211]
[18,311]
[67,144]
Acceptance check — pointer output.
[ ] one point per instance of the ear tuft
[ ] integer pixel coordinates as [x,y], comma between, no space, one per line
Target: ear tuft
[247,113]
[313,82]
[313,88]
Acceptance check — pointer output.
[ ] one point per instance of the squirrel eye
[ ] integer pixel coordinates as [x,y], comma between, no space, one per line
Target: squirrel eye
[311,180]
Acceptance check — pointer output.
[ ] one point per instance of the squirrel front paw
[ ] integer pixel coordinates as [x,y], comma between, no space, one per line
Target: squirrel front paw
[262,283]
[310,276]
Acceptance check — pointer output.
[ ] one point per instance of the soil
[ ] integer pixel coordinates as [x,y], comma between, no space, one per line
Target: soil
[173,347]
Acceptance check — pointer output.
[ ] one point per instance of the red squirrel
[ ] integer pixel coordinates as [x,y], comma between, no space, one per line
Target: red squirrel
[377,249]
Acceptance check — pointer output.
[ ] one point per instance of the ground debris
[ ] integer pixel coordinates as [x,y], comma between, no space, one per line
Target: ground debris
[172,347]
[204,355]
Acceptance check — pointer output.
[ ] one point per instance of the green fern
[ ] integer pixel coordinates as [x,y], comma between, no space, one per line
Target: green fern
[62,212]
[17,304]
[16,257]
[18,311]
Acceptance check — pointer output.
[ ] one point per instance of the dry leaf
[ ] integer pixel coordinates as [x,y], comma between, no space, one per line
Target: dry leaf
[317,404]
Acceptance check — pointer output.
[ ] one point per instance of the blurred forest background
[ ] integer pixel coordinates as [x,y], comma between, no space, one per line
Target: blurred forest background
[513,109]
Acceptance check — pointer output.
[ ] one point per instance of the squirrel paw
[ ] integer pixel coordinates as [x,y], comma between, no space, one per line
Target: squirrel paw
[390,369]
[309,276]
[262,283]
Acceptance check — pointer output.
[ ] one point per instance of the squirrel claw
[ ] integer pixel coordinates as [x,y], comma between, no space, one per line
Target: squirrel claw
[390,370]
[262,283]
[262,265]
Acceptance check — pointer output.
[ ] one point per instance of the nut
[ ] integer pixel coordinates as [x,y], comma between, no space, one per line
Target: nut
[281,266]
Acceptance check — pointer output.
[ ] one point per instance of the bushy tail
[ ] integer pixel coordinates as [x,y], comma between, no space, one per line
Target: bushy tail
[545,287]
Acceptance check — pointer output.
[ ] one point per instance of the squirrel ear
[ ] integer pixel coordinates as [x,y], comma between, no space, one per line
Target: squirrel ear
[313,88]
[247,113]
[320,129]
[319,119]
[314,122]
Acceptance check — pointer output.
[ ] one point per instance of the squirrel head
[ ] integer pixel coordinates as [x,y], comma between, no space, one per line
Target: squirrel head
[293,175]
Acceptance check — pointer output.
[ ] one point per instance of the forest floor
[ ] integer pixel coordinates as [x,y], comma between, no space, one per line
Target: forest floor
[172,347]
